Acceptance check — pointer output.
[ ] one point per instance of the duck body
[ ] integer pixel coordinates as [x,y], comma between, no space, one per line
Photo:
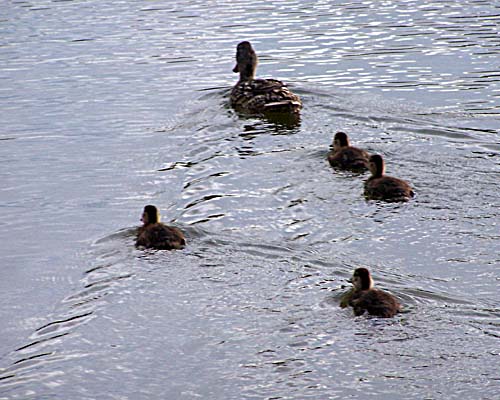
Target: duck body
[349,158]
[375,302]
[259,96]
[366,299]
[155,235]
[161,237]
[346,298]
[383,187]
[388,188]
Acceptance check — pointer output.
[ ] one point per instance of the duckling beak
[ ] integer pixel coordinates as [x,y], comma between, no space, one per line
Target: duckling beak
[236,69]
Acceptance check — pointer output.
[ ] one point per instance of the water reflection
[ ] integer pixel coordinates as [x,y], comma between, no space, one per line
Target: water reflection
[280,122]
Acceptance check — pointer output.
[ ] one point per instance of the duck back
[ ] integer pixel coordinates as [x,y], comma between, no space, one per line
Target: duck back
[388,188]
[263,96]
[376,302]
[161,237]
[350,158]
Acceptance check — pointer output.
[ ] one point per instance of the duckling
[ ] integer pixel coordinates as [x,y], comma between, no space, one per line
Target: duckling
[382,187]
[345,156]
[259,96]
[365,298]
[155,235]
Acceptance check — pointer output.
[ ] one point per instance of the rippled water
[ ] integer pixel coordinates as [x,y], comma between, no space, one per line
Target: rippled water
[108,106]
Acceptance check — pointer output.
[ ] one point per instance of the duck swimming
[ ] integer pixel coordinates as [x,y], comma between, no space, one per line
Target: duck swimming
[364,298]
[259,96]
[383,187]
[345,156]
[155,235]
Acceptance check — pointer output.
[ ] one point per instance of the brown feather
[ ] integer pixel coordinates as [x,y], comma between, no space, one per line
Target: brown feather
[161,237]
[388,188]
[376,302]
[350,158]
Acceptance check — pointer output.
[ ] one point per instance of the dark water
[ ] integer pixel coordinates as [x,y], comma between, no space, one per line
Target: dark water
[108,106]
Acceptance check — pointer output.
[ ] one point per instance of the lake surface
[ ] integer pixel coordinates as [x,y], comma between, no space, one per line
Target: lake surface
[109,106]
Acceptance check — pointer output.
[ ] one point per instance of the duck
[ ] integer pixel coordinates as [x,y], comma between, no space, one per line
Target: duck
[382,187]
[259,96]
[155,235]
[365,298]
[345,156]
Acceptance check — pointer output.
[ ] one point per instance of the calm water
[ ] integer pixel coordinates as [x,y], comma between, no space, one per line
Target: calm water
[108,106]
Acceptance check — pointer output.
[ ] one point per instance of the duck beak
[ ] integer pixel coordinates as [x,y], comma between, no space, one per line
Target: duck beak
[236,69]
[349,280]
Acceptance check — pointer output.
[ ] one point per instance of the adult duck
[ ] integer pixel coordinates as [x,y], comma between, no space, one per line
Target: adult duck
[155,235]
[345,156]
[382,187]
[365,298]
[259,96]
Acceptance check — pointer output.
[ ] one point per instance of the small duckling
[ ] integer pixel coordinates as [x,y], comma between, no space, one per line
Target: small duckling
[259,95]
[155,235]
[382,187]
[345,156]
[365,298]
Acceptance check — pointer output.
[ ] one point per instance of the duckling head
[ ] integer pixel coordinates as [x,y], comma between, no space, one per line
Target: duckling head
[377,165]
[340,140]
[246,61]
[362,279]
[150,215]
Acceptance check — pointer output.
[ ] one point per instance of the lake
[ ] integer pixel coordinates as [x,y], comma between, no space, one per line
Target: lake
[109,106]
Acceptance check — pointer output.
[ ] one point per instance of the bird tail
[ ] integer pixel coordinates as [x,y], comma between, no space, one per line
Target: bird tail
[288,106]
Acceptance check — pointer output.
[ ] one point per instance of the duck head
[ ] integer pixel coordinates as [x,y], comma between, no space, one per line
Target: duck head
[377,166]
[246,61]
[150,215]
[340,140]
[362,279]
